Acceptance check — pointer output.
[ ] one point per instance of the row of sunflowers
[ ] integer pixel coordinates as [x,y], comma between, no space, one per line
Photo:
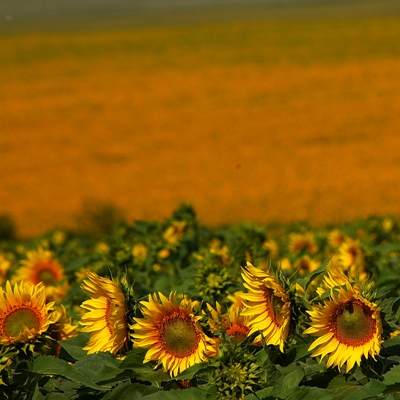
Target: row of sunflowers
[173,310]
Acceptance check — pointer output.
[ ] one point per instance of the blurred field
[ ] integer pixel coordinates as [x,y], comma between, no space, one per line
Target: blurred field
[269,119]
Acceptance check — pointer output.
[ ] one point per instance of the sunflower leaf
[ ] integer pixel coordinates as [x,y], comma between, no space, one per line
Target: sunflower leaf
[187,394]
[47,365]
[130,391]
[193,370]
[373,388]
[74,347]
[99,367]
[305,283]
[393,376]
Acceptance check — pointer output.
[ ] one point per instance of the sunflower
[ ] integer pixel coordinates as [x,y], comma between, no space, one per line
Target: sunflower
[174,233]
[105,317]
[62,328]
[347,326]
[350,253]
[302,242]
[172,333]
[232,322]
[24,313]
[267,305]
[305,264]
[334,277]
[335,238]
[41,266]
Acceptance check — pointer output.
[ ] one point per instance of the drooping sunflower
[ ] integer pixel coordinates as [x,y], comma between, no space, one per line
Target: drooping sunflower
[106,312]
[267,305]
[41,266]
[24,313]
[172,333]
[348,326]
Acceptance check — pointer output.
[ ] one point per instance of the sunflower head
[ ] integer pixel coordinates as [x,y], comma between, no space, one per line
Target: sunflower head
[172,333]
[348,327]
[105,316]
[24,313]
[305,264]
[302,242]
[230,322]
[40,266]
[267,306]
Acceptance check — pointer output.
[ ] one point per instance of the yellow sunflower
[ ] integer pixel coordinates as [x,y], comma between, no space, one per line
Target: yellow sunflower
[299,242]
[105,317]
[172,333]
[334,277]
[175,232]
[41,266]
[62,328]
[24,313]
[305,264]
[335,238]
[347,326]
[267,305]
[232,322]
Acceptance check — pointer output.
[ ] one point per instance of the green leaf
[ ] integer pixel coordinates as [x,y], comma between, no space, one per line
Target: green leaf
[134,360]
[99,367]
[74,346]
[305,393]
[302,351]
[187,394]
[260,394]
[293,378]
[47,365]
[145,372]
[393,376]
[192,371]
[77,264]
[130,391]
[305,283]
[386,248]
[373,388]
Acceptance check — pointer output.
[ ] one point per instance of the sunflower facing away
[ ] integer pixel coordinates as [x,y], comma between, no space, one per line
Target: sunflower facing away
[347,326]
[24,313]
[172,333]
[267,305]
[105,317]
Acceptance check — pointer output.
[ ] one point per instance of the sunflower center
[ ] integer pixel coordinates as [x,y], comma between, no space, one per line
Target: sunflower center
[179,335]
[19,320]
[353,323]
[47,276]
[274,306]
[238,332]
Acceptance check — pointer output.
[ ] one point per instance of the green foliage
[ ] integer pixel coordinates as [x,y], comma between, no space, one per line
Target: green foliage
[205,264]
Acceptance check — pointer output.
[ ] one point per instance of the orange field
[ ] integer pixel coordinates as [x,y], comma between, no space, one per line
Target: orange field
[274,120]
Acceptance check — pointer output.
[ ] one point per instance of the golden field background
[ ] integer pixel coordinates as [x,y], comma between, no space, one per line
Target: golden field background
[262,119]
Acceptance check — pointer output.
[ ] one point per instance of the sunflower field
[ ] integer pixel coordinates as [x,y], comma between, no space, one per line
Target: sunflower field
[176,310]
